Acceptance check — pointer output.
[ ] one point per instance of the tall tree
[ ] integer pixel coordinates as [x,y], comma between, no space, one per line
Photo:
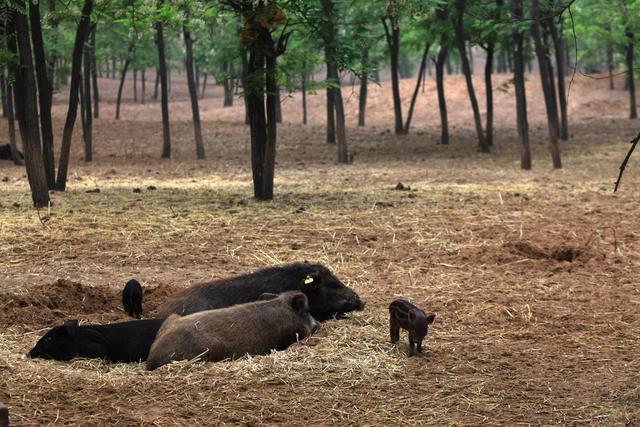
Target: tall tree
[125,68]
[193,92]
[392,34]
[45,93]
[559,48]
[164,92]
[26,105]
[67,133]
[633,108]
[546,78]
[466,69]
[515,7]
[87,119]
[94,74]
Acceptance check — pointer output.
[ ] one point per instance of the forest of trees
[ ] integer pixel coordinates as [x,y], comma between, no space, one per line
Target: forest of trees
[256,49]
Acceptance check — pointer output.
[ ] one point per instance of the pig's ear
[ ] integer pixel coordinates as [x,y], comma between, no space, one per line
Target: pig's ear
[267,296]
[299,303]
[71,327]
[412,314]
[431,318]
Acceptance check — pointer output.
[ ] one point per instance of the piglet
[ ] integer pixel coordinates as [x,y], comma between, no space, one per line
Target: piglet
[132,298]
[403,314]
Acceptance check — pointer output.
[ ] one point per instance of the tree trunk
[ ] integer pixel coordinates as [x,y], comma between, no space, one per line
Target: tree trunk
[488,71]
[193,93]
[632,84]
[88,115]
[278,105]
[558,44]
[135,85]
[442,100]
[364,82]
[331,118]
[204,85]
[610,66]
[547,85]
[45,92]
[94,75]
[155,86]
[26,107]
[51,65]
[304,93]
[3,89]
[423,64]
[334,79]
[113,68]
[81,36]
[226,84]
[245,86]
[164,94]
[393,41]
[466,69]
[517,36]
[125,67]
[15,154]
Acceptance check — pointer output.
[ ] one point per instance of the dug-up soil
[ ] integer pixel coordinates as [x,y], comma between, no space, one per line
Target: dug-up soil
[533,275]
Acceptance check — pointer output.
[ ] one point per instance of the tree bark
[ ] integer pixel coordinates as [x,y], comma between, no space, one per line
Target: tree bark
[164,94]
[364,83]
[466,69]
[610,66]
[393,41]
[546,79]
[88,115]
[3,91]
[81,36]
[423,64]
[51,65]
[334,79]
[488,71]
[304,93]
[331,118]
[135,85]
[143,82]
[517,36]
[125,67]
[193,93]
[45,93]
[155,86]
[15,154]
[226,84]
[26,108]
[204,85]
[94,75]
[632,84]
[442,100]
[558,44]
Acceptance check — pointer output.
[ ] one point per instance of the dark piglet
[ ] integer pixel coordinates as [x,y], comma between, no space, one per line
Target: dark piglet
[115,342]
[403,314]
[327,295]
[272,323]
[132,298]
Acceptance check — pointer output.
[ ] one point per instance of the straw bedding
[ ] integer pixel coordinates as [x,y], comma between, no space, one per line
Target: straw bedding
[532,276]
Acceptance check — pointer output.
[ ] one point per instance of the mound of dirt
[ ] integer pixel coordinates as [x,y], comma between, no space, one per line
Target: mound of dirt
[45,304]
[554,253]
[155,296]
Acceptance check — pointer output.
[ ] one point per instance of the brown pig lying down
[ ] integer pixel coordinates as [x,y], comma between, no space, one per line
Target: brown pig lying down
[273,323]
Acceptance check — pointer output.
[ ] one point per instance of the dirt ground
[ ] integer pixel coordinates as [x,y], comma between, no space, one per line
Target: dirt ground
[533,275]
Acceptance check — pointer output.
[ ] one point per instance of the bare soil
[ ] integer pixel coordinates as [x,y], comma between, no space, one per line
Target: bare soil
[533,275]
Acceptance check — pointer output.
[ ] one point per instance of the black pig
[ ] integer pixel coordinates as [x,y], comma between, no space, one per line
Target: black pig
[327,295]
[403,314]
[132,298]
[115,342]
[7,154]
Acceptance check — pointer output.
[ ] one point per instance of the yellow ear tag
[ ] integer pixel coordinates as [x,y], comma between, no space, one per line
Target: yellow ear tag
[308,280]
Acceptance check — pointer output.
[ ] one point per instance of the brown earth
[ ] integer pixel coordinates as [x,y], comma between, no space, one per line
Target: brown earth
[533,275]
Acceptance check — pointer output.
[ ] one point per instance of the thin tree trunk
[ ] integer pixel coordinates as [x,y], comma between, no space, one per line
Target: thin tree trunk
[331,118]
[517,36]
[226,84]
[94,75]
[113,68]
[51,64]
[304,93]
[488,71]
[81,37]
[197,78]
[442,100]
[155,86]
[278,105]
[393,41]
[632,84]
[144,86]
[3,91]
[245,88]
[466,69]
[423,64]
[135,85]
[15,154]
[45,92]
[26,107]
[88,115]
[558,44]
[204,85]
[364,83]
[164,94]
[193,93]
[122,78]
[547,85]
